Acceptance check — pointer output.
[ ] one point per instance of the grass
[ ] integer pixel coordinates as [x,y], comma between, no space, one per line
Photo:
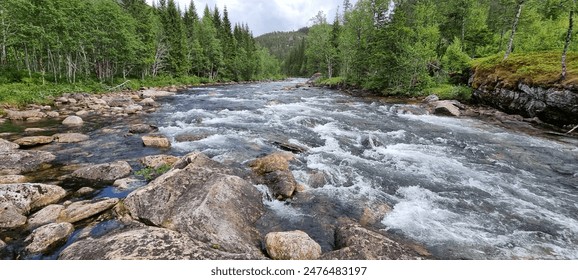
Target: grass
[150,173]
[535,69]
[450,92]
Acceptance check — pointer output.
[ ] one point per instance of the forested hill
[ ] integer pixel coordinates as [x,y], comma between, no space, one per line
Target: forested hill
[110,41]
[426,46]
[281,43]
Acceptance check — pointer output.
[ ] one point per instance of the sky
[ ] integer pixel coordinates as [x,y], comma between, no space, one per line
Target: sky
[264,16]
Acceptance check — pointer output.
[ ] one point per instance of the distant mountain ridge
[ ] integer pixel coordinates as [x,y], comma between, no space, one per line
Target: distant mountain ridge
[280,44]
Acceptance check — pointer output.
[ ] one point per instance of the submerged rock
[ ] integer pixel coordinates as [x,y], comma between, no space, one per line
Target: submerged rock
[199,199]
[47,237]
[294,245]
[104,173]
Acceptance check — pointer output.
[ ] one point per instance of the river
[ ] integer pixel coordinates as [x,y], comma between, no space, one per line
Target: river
[464,188]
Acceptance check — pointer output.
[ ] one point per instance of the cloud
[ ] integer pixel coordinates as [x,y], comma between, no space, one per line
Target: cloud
[264,16]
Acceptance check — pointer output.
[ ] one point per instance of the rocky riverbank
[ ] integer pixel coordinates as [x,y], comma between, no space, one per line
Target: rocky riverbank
[197,209]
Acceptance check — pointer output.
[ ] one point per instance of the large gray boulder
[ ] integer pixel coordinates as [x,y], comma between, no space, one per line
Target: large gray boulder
[200,199]
[103,173]
[146,243]
[47,237]
[18,200]
[358,243]
[293,245]
[15,162]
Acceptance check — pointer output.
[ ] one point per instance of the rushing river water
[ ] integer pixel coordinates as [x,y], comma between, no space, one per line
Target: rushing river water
[464,188]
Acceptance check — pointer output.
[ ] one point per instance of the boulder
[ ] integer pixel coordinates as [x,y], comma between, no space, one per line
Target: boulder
[47,237]
[17,162]
[156,141]
[8,146]
[70,137]
[85,191]
[317,179]
[148,102]
[294,245]
[28,197]
[34,141]
[199,198]
[73,121]
[273,171]
[151,93]
[142,128]
[133,109]
[53,114]
[446,108]
[147,243]
[431,98]
[355,242]
[103,173]
[374,214]
[81,210]
[11,216]
[47,215]
[118,101]
[25,115]
[13,179]
[158,161]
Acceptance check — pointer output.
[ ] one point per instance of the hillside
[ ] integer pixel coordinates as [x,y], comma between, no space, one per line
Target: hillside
[281,43]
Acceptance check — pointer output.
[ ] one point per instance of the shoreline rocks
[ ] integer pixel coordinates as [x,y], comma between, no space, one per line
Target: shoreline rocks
[103,173]
[294,245]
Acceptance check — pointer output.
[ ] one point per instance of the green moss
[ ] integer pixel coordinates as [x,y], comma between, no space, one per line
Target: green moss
[536,69]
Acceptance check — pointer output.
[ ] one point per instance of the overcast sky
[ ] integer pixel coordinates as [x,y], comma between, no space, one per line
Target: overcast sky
[264,16]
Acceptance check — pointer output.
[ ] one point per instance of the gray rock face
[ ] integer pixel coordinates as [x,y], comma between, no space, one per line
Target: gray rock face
[70,137]
[7,145]
[107,172]
[47,215]
[73,121]
[46,237]
[294,245]
[358,243]
[17,162]
[34,141]
[556,106]
[17,200]
[81,210]
[147,243]
[199,199]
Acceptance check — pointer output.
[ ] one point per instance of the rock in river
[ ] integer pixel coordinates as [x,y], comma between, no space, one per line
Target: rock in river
[70,137]
[81,210]
[34,141]
[16,162]
[7,145]
[47,237]
[156,141]
[17,200]
[47,215]
[294,245]
[73,121]
[104,173]
[273,171]
[199,199]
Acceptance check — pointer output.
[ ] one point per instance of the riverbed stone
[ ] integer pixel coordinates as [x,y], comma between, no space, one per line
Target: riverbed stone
[151,93]
[142,128]
[293,245]
[70,137]
[133,109]
[47,237]
[190,137]
[147,243]
[355,242]
[148,102]
[103,173]
[85,191]
[25,115]
[199,198]
[11,216]
[446,108]
[17,162]
[273,171]
[46,215]
[73,121]
[156,141]
[27,197]
[81,210]
[118,101]
[158,161]
[13,179]
[6,145]
[30,141]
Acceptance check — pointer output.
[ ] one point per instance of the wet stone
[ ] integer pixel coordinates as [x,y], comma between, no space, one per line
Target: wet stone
[47,237]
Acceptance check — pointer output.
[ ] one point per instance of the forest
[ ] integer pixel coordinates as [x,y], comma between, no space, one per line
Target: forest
[50,46]
[420,46]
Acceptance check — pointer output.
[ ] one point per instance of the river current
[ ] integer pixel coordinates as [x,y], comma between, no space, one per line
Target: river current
[462,187]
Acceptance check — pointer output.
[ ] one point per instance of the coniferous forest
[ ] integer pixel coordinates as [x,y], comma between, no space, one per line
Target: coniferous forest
[107,42]
[408,46]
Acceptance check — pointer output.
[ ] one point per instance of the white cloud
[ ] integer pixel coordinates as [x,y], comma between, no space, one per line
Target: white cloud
[265,16]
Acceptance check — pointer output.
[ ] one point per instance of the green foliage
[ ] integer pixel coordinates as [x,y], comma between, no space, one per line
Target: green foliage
[150,173]
[332,82]
[450,92]
[455,60]
[280,44]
